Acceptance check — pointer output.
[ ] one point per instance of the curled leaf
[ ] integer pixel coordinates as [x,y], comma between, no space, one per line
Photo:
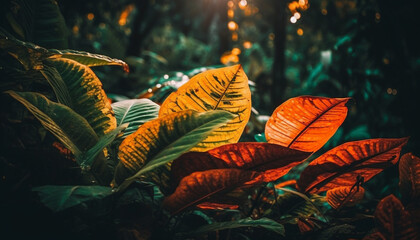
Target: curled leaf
[342,165]
[218,89]
[306,123]
[344,196]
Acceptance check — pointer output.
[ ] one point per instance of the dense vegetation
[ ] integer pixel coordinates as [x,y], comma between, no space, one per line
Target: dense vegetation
[93,147]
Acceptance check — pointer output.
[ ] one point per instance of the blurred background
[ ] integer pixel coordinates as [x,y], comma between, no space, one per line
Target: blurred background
[365,49]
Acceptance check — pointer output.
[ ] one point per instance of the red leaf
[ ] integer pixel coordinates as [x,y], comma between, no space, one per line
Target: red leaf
[393,221]
[345,196]
[272,160]
[341,165]
[199,186]
[409,169]
[306,123]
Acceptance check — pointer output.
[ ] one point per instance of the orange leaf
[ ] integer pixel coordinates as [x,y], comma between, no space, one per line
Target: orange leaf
[199,186]
[345,196]
[341,165]
[217,89]
[272,160]
[409,168]
[393,221]
[306,123]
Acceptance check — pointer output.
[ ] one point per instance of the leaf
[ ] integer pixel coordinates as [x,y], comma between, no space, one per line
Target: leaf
[272,160]
[306,123]
[162,140]
[341,165]
[246,222]
[219,89]
[73,131]
[88,59]
[345,196]
[59,198]
[199,186]
[295,204]
[89,99]
[393,221]
[136,112]
[88,157]
[28,54]
[58,85]
[409,169]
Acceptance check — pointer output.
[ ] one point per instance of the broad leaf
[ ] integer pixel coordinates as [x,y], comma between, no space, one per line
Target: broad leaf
[58,85]
[393,221]
[219,89]
[247,222]
[89,99]
[345,196]
[343,164]
[70,128]
[409,168]
[306,123]
[272,160]
[88,59]
[162,140]
[28,54]
[136,112]
[58,198]
[199,186]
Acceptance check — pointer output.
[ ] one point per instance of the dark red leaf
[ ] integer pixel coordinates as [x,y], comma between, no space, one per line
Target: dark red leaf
[343,164]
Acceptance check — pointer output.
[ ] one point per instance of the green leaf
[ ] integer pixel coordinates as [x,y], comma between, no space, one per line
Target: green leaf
[88,157]
[162,140]
[88,59]
[136,112]
[73,131]
[58,85]
[246,222]
[28,54]
[89,99]
[58,198]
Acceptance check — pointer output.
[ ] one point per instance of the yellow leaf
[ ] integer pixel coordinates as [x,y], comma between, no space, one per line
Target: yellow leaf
[218,89]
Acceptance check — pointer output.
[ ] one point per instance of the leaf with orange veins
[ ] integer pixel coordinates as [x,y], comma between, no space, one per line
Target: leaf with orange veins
[200,186]
[409,169]
[345,196]
[217,89]
[271,160]
[342,165]
[306,123]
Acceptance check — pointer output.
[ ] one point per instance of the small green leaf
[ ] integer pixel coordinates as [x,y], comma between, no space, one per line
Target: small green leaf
[58,198]
[136,112]
[246,222]
[70,128]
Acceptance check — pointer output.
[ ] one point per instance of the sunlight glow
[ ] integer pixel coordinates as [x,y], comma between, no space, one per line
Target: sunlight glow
[293,19]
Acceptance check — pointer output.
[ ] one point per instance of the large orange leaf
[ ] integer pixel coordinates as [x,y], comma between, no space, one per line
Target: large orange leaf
[306,123]
[199,186]
[343,164]
[272,160]
[218,89]
[345,196]
[393,221]
[409,168]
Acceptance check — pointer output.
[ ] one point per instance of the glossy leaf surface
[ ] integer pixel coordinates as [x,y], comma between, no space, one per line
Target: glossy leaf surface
[393,221]
[89,99]
[88,59]
[247,222]
[306,123]
[344,196]
[73,131]
[409,169]
[162,140]
[218,89]
[135,112]
[58,198]
[272,160]
[341,165]
[199,186]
